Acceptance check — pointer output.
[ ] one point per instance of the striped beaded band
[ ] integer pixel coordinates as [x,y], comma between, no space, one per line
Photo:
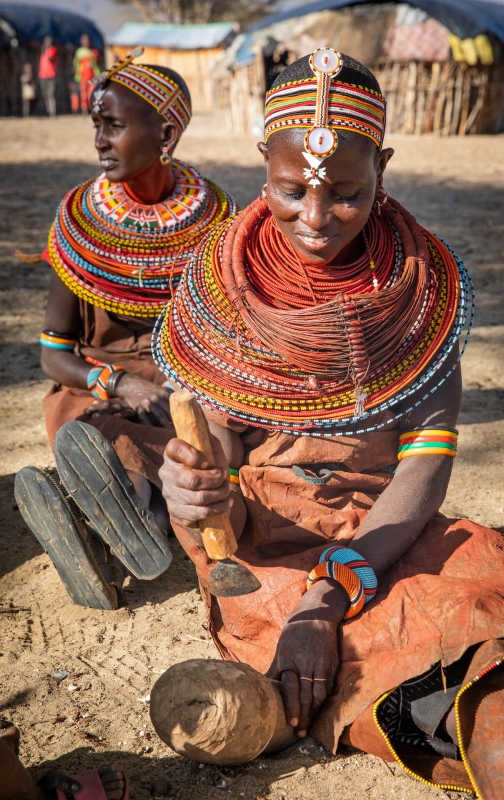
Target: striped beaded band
[428,441]
[157,89]
[325,104]
[355,562]
[234,476]
[346,577]
[57,341]
[97,380]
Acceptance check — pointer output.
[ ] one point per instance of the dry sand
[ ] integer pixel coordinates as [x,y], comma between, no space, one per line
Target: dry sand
[97,714]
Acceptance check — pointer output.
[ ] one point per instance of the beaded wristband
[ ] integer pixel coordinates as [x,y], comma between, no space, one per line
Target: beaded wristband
[358,565]
[234,476]
[343,575]
[97,380]
[57,341]
[428,441]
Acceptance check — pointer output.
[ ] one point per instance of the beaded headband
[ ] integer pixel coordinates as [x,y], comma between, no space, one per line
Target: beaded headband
[324,105]
[157,89]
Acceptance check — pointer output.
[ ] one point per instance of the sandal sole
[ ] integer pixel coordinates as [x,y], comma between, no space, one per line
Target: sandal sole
[96,480]
[49,517]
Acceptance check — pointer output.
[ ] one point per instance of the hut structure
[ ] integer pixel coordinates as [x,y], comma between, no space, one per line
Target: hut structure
[440,63]
[191,50]
[23,28]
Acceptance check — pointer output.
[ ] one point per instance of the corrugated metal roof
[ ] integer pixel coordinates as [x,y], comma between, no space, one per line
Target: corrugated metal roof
[173,37]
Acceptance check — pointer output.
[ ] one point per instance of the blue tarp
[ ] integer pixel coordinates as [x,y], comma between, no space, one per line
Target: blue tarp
[464,18]
[173,37]
[33,23]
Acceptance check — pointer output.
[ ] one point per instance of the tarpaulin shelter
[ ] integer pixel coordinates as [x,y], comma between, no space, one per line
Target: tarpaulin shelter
[188,49]
[439,62]
[23,28]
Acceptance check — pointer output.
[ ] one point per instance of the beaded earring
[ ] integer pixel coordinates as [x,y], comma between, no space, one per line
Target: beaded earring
[263,191]
[165,157]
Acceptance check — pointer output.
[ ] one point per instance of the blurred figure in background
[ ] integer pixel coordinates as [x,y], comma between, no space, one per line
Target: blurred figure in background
[74,97]
[27,89]
[86,67]
[48,66]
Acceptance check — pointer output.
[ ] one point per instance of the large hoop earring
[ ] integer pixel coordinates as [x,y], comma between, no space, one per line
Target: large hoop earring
[165,157]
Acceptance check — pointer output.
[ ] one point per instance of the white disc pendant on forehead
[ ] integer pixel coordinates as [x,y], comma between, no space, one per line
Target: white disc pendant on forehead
[326,60]
[321,141]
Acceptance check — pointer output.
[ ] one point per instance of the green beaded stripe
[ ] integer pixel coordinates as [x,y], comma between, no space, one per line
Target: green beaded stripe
[234,472]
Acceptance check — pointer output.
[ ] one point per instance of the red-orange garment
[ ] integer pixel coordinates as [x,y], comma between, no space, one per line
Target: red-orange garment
[126,343]
[445,594]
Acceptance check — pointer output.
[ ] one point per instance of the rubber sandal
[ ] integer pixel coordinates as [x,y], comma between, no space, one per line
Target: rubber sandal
[87,786]
[78,555]
[96,480]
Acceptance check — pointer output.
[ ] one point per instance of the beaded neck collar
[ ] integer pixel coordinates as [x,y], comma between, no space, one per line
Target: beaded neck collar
[126,257]
[113,203]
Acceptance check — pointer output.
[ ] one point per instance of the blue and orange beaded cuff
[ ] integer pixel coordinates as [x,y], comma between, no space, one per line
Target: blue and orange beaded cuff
[102,380]
[57,341]
[348,568]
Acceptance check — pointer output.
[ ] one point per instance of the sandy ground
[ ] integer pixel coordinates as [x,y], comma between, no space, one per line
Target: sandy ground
[97,714]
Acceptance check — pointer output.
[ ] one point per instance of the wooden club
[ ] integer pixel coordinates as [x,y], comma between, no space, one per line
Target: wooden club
[228,578]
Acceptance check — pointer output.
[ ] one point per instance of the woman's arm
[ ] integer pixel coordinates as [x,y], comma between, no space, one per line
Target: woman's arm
[63,316]
[306,657]
[418,487]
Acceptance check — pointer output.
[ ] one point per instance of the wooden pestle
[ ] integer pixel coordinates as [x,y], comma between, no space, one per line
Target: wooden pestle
[219,712]
[191,426]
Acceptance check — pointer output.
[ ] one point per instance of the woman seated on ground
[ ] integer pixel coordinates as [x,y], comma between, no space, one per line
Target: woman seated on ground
[118,246]
[320,330]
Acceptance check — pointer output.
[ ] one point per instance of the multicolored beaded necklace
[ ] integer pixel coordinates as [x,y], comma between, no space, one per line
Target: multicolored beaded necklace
[261,340]
[126,257]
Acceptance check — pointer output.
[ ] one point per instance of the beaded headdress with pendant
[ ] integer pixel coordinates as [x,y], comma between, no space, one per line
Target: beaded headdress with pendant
[323,105]
[157,89]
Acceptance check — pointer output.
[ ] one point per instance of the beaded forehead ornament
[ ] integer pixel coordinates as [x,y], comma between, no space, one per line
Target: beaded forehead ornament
[157,89]
[324,105]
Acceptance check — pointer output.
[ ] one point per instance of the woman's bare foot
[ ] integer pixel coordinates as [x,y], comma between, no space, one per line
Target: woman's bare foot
[112,778]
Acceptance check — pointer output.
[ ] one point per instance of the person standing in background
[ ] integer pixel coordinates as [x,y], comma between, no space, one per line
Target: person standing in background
[27,88]
[48,66]
[86,67]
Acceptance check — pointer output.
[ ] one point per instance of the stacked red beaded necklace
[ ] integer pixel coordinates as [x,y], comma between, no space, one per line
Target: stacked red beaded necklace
[262,338]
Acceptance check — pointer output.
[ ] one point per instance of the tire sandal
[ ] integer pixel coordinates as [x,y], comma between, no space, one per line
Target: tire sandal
[87,786]
[81,559]
[97,482]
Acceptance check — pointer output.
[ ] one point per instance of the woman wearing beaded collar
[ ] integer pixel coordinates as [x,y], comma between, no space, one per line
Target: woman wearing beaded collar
[118,247]
[320,329]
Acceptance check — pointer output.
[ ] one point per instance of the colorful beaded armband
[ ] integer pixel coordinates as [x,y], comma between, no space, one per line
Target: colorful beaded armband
[346,577]
[57,341]
[98,380]
[428,441]
[234,476]
[358,565]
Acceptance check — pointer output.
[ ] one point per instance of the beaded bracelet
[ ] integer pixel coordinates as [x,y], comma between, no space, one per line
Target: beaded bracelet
[102,380]
[234,476]
[428,441]
[346,577]
[358,565]
[57,341]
